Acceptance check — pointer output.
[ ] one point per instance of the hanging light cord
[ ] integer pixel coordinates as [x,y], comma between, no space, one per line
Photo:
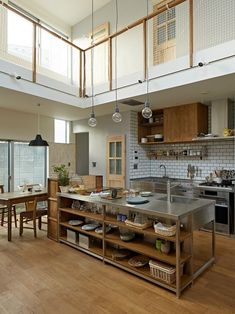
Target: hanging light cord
[116,105]
[92,56]
[147,68]
[38,119]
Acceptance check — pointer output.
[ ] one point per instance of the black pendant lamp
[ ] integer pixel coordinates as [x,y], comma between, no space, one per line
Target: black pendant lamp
[38,141]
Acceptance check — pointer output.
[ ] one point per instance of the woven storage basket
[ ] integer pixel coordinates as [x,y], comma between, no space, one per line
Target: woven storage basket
[163,271]
[165,230]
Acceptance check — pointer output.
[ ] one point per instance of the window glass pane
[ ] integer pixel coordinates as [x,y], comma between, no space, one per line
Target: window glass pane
[4,165]
[29,164]
[19,36]
[161,35]
[54,53]
[60,131]
[171,14]
[118,166]
[112,166]
[171,30]
[161,18]
[118,149]
[112,149]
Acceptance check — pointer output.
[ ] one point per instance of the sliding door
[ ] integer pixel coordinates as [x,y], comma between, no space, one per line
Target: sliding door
[21,164]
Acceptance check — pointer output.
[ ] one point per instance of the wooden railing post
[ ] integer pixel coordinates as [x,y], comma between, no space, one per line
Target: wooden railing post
[110,64]
[84,74]
[80,74]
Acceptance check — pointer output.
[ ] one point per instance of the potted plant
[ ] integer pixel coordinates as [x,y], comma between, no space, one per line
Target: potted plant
[63,177]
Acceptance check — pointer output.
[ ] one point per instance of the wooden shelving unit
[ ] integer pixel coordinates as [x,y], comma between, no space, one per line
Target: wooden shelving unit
[103,245]
[178,124]
[148,231]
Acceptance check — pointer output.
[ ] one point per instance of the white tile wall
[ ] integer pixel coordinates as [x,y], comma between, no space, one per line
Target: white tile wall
[219,154]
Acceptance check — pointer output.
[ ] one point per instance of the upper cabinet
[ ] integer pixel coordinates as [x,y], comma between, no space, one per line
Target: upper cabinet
[176,124]
[183,123]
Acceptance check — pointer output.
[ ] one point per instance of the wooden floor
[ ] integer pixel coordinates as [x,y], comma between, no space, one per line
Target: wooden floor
[42,276]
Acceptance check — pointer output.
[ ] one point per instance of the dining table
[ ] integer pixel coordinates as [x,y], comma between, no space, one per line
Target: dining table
[12,198]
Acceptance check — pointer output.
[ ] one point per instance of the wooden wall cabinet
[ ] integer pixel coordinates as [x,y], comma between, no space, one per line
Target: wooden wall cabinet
[176,124]
[146,128]
[183,123]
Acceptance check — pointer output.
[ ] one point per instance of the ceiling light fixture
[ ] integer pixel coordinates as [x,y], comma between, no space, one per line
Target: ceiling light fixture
[92,122]
[147,112]
[38,141]
[117,117]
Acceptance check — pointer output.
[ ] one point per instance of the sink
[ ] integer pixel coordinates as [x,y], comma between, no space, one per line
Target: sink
[178,199]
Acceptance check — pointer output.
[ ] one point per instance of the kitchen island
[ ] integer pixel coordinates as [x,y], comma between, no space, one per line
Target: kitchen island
[174,270]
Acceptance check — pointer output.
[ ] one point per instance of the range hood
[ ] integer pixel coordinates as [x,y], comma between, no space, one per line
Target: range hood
[222,116]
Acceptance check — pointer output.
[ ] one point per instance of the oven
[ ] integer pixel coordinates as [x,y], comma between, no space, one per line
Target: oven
[224,209]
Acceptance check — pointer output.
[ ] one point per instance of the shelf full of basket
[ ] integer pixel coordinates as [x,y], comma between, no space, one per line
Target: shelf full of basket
[152,240]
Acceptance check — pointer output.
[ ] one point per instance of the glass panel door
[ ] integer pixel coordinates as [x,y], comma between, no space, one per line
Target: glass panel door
[116,161]
[4,164]
[29,164]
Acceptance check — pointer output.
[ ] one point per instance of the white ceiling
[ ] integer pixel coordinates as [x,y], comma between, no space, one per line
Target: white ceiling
[204,91]
[69,11]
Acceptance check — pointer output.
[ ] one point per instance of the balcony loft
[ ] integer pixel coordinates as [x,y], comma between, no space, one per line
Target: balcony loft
[196,72]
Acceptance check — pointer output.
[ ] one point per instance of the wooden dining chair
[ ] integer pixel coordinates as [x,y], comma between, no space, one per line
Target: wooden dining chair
[4,210]
[32,213]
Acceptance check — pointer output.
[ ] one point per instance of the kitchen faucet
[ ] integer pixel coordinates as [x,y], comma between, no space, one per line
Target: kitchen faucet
[168,189]
[163,166]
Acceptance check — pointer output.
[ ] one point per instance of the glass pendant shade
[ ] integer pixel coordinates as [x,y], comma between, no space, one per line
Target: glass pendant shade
[117,117]
[92,122]
[147,112]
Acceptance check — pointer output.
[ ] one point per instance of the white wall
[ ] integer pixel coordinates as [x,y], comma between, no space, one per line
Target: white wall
[97,141]
[21,126]
[18,125]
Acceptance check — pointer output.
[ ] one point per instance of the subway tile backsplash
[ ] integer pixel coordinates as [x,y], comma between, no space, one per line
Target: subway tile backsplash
[220,154]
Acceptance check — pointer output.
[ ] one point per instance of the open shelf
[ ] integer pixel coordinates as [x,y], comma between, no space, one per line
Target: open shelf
[80,230]
[94,251]
[82,213]
[148,231]
[144,272]
[146,248]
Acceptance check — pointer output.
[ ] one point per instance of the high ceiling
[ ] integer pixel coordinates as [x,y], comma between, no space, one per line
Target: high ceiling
[68,11]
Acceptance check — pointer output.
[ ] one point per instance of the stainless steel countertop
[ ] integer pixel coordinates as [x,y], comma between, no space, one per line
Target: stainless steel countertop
[156,207]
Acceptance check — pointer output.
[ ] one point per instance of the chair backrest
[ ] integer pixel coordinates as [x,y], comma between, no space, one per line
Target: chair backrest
[1,188]
[31,205]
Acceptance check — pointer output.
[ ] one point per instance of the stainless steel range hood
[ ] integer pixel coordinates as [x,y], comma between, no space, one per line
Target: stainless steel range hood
[222,116]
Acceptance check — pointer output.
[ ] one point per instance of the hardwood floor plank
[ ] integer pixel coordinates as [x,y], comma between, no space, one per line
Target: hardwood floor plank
[41,276]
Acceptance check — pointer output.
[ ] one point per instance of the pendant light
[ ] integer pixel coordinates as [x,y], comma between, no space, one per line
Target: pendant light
[117,117]
[92,122]
[147,112]
[38,141]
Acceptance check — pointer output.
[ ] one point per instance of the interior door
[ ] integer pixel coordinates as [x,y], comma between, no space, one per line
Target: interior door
[116,161]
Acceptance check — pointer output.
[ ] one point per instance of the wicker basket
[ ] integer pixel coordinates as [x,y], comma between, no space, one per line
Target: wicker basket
[164,230]
[163,271]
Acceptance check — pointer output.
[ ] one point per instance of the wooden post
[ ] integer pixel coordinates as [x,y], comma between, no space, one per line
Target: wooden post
[110,64]
[34,57]
[80,73]
[191,33]
[84,74]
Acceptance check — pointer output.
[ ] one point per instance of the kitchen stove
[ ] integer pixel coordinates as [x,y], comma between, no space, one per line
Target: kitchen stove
[223,195]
